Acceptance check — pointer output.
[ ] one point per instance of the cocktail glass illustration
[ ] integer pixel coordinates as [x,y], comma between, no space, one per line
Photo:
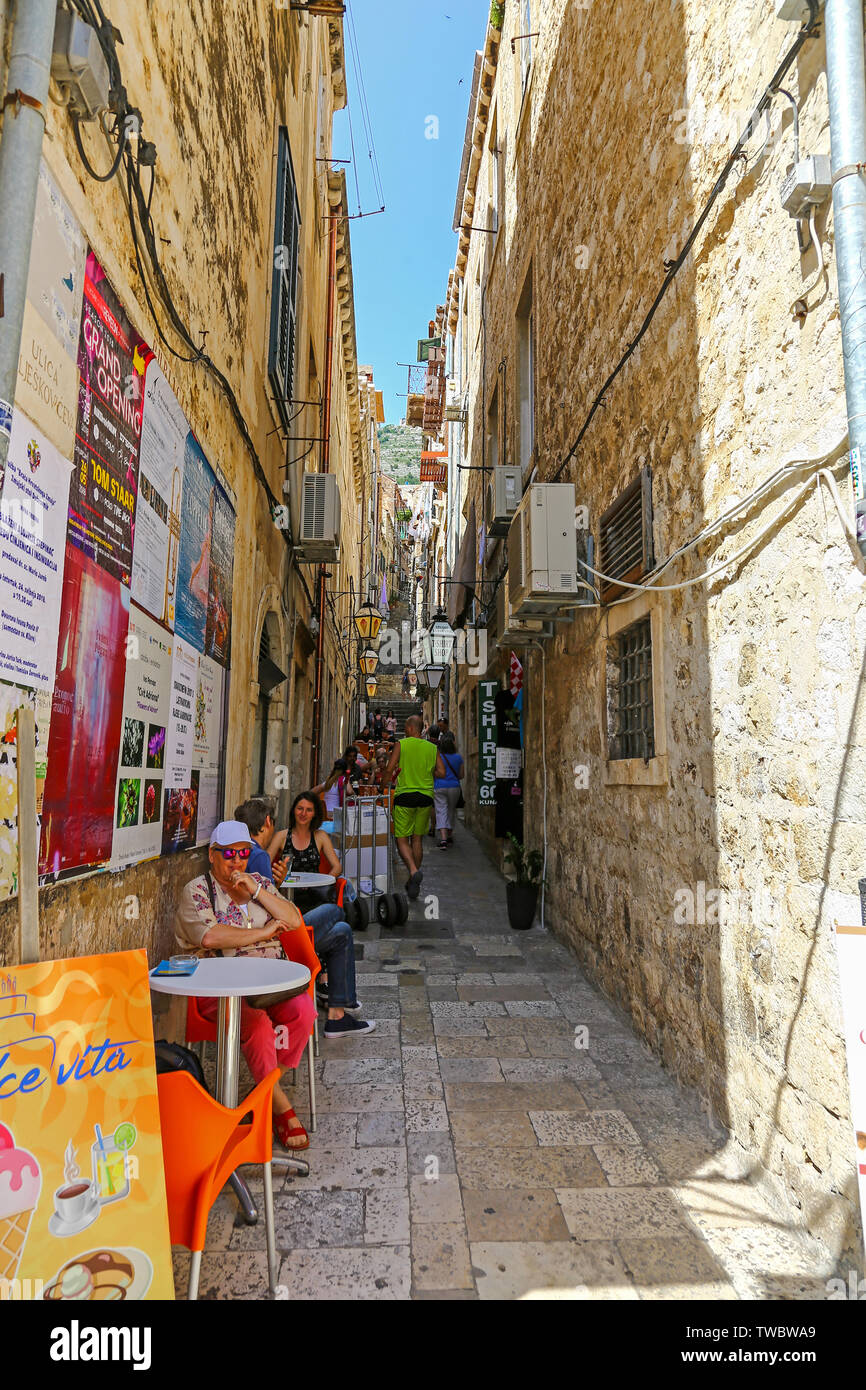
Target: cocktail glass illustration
[110,1168]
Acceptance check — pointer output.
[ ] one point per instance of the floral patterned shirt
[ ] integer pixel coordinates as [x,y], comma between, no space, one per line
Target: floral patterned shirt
[195,917]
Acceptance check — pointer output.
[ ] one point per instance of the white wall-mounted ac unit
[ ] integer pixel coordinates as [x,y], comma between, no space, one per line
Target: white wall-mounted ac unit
[512,631]
[542,552]
[319,535]
[504,494]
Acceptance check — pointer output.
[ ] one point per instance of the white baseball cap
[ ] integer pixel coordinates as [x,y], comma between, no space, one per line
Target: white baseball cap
[231,832]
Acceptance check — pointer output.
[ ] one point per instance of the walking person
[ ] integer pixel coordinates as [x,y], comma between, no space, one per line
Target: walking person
[419,763]
[405,682]
[446,790]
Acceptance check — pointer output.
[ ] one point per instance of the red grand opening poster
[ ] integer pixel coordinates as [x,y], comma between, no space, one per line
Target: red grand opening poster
[86,719]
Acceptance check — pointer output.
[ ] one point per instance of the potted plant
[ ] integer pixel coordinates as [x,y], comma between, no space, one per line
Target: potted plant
[522,891]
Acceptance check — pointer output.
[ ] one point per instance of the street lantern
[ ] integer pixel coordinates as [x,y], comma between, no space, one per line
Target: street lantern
[433,676]
[372,686]
[368,622]
[442,640]
[369,662]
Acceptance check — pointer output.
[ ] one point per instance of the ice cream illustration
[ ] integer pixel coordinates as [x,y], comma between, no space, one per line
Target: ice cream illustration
[20,1186]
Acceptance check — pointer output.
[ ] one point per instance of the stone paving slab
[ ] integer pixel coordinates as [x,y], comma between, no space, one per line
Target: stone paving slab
[383,1272]
[550,1270]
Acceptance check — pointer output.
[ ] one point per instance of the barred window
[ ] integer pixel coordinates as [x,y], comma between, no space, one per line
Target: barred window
[631,727]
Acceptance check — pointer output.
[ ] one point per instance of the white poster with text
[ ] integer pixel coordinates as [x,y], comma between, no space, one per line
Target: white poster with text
[141,771]
[32,553]
[181,719]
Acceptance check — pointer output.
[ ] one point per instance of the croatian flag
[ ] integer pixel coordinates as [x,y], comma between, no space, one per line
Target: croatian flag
[516,676]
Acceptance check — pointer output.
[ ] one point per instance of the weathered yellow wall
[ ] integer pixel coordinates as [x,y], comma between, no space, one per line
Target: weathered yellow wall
[761,796]
[214,80]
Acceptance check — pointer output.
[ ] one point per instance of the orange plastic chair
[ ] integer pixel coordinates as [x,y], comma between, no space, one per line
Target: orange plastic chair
[203,1143]
[198,1028]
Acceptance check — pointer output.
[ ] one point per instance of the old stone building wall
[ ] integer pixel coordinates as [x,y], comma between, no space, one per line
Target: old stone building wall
[214,82]
[754,798]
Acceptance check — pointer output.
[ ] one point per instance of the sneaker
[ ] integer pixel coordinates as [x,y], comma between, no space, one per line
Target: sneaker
[355,1010]
[347,1027]
[413,887]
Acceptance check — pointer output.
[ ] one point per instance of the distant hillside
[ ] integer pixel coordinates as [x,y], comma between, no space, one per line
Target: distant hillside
[400,447]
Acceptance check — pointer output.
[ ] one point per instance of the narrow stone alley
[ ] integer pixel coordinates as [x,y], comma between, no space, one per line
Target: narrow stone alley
[473,1147]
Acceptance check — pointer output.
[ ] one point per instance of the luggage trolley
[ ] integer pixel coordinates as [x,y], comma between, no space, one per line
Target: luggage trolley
[366,856]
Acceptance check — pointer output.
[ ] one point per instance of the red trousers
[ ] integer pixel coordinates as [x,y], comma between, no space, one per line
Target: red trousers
[295,1017]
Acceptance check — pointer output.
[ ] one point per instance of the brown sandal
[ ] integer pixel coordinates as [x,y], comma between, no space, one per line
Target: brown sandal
[289,1131]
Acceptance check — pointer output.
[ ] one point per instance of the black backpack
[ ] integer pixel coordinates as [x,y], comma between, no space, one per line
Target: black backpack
[174,1057]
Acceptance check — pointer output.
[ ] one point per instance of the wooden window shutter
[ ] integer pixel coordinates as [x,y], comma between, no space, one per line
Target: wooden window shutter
[287,226]
[626,539]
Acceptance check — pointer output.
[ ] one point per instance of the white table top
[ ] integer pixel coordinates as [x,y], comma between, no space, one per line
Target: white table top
[232,977]
[308,881]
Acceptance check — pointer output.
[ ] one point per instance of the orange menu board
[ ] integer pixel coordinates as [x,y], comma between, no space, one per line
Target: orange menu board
[83,1213]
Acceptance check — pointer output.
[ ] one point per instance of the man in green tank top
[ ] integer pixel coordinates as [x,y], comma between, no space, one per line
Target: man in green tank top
[419,763]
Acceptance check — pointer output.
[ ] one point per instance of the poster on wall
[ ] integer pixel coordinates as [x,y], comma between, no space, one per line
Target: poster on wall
[83,1211]
[141,770]
[47,384]
[851,953]
[111,367]
[11,698]
[208,743]
[86,719]
[218,629]
[164,431]
[203,617]
[180,733]
[180,817]
[32,550]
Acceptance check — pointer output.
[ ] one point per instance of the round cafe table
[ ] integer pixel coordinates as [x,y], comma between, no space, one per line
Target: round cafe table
[292,882]
[231,979]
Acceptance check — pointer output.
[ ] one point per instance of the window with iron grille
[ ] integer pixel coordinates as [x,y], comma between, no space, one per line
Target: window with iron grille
[284,296]
[626,536]
[630,718]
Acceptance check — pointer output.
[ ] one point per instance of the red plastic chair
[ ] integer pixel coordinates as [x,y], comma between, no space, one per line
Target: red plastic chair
[203,1143]
[325,868]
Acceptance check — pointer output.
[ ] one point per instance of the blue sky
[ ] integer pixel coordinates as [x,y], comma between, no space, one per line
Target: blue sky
[413,59]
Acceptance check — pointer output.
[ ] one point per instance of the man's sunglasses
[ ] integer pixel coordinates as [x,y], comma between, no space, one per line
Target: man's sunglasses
[235,853]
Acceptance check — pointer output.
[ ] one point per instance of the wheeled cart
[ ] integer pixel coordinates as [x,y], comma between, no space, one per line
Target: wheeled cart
[366,856]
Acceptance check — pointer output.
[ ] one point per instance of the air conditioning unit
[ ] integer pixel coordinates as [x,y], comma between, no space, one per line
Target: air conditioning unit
[319,537]
[542,552]
[506,490]
[512,631]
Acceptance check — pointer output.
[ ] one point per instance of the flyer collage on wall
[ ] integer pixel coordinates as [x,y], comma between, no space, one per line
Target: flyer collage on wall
[117,543]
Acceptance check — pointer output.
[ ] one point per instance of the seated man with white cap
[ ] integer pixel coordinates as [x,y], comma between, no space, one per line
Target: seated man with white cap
[226,911]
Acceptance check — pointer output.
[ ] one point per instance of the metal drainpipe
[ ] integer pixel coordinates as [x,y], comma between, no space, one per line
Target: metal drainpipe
[326,463]
[20,153]
[846,88]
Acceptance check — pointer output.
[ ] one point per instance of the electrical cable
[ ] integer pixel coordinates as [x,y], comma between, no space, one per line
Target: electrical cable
[365,110]
[807,32]
[106,36]
[99,178]
[716,569]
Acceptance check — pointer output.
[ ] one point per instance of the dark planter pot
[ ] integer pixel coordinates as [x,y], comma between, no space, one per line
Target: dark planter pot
[522,901]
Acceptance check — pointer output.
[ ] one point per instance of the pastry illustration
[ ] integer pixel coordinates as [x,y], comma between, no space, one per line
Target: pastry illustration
[20,1186]
[103,1276]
